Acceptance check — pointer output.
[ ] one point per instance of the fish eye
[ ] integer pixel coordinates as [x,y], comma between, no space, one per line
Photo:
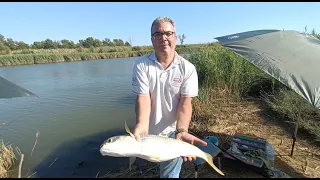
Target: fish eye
[107,141]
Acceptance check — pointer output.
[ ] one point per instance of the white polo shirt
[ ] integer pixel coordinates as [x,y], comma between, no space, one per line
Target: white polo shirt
[165,88]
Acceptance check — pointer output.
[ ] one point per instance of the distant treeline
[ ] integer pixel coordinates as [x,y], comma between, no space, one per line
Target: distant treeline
[8,44]
[42,56]
[49,51]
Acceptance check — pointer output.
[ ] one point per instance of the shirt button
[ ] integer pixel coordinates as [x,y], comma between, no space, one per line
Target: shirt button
[163,75]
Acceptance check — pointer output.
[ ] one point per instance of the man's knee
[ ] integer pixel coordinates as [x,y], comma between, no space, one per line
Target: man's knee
[171,169]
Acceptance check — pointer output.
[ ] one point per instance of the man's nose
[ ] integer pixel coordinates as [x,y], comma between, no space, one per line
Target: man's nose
[163,37]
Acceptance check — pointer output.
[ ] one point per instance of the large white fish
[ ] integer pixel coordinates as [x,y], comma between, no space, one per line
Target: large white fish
[152,148]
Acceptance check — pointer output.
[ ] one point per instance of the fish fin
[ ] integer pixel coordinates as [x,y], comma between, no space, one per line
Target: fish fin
[131,161]
[209,160]
[127,129]
[153,159]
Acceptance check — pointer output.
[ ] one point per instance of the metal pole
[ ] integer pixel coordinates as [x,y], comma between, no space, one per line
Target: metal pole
[196,171]
[294,137]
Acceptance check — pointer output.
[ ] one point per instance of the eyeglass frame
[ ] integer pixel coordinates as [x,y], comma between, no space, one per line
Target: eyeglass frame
[161,35]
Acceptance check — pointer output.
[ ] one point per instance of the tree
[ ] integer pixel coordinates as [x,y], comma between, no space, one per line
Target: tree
[181,38]
[313,33]
[67,43]
[49,44]
[22,45]
[306,29]
[37,45]
[97,43]
[130,41]
[118,42]
[127,43]
[88,43]
[107,42]
[2,39]
[4,49]
[11,44]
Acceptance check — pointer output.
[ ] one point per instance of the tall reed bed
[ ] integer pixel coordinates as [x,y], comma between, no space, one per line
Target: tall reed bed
[219,68]
[23,59]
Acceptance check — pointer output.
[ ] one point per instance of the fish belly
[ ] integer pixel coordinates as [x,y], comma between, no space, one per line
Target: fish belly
[159,151]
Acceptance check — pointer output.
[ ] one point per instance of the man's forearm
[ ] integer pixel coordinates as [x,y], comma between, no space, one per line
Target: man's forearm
[143,109]
[184,113]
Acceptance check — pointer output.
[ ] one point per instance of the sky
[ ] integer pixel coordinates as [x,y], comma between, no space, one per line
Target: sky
[200,22]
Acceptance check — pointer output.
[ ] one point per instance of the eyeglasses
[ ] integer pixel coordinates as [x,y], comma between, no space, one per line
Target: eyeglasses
[158,35]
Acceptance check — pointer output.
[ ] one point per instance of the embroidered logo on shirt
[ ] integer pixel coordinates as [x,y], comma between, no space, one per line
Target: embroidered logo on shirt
[177,82]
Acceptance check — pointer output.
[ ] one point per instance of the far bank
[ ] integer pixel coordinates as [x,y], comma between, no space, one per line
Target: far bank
[46,56]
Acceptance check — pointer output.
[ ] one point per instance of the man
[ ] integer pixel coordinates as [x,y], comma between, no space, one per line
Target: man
[165,84]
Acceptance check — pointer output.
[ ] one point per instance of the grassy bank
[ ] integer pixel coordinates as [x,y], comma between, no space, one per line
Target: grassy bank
[223,74]
[42,56]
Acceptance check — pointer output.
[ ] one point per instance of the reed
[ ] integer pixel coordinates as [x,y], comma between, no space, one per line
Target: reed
[7,158]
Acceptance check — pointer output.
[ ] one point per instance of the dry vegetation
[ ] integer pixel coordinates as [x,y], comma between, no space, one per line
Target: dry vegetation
[7,158]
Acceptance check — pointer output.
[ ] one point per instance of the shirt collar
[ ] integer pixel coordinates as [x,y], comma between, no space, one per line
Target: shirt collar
[153,57]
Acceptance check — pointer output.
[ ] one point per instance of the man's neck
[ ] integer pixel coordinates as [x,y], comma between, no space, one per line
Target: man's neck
[165,59]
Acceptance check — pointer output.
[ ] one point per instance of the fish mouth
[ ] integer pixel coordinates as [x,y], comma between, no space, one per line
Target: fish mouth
[109,151]
[106,152]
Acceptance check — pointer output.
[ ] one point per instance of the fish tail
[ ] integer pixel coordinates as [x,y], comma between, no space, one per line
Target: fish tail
[209,160]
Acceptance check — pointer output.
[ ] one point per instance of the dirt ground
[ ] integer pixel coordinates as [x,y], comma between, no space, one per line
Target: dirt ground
[247,117]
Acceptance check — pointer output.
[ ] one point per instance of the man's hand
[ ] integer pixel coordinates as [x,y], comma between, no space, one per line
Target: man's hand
[139,130]
[189,138]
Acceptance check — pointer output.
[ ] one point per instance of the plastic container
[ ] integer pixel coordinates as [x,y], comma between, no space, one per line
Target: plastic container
[213,140]
[270,154]
[211,148]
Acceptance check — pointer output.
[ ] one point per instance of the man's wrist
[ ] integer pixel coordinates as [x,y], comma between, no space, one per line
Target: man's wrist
[180,130]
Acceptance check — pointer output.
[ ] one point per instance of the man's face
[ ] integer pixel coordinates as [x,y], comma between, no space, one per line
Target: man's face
[163,37]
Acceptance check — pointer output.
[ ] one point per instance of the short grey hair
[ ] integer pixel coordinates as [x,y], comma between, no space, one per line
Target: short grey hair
[162,20]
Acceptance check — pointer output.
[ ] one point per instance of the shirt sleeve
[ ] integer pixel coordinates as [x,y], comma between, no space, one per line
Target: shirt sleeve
[189,87]
[140,84]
